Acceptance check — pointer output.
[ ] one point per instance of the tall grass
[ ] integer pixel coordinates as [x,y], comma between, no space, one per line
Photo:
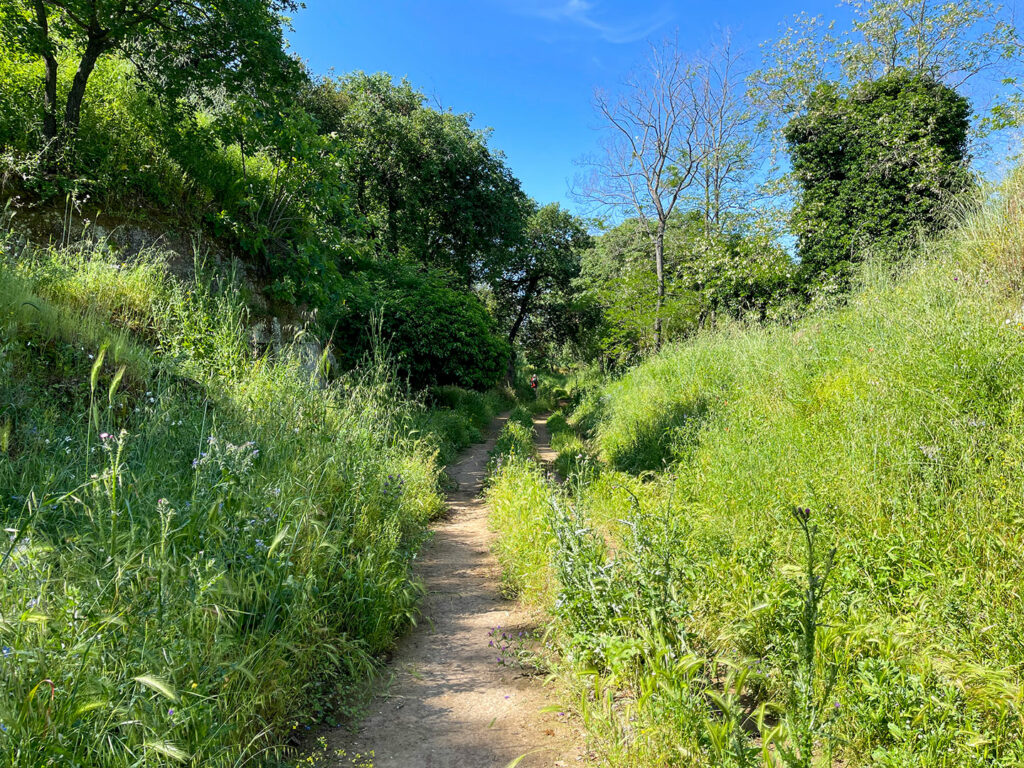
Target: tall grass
[897,418]
[204,546]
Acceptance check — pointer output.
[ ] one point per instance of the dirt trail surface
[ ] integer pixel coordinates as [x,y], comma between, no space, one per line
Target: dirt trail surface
[543,443]
[450,704]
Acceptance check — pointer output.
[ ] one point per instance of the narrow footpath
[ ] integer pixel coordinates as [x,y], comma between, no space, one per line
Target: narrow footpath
[449,703]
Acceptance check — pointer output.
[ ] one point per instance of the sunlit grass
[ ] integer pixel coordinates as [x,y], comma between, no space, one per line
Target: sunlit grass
[204,546]
[897,419]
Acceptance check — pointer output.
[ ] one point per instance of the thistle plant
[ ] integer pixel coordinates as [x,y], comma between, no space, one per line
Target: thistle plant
[807,718]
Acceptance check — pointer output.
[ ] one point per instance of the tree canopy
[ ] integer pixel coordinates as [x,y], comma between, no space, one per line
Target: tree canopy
[180,47]
[425,182]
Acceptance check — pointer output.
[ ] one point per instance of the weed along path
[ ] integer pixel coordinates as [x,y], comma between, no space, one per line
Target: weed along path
[449,703]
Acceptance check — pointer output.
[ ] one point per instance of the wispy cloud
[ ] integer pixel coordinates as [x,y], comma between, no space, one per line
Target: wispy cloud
[587,14]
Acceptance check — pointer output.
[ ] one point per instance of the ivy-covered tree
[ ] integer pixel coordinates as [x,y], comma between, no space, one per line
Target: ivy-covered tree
[873,168]
[952,42]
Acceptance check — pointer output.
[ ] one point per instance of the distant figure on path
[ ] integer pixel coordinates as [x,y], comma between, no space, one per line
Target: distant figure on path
[533,384]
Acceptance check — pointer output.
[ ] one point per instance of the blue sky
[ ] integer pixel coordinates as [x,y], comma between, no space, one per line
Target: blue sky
[525,68]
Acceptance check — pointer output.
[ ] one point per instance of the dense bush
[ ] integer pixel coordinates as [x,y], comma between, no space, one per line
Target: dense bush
[874,167]
[437,334]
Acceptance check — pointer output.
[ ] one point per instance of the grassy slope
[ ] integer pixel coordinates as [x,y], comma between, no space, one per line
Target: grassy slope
[203,547]
[898,419]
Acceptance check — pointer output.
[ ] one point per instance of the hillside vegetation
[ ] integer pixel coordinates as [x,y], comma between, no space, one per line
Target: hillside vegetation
[205,547]
[678,569]
[248,311]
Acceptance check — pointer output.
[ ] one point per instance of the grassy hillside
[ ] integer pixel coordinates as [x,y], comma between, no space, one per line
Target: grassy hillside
[204,547]
[682,569]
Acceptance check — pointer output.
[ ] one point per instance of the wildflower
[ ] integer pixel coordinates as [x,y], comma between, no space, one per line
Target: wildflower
[104,436]
[171,711]
[6,651]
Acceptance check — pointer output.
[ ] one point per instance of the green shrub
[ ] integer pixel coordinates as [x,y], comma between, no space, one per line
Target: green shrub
[876,167]
[437,334]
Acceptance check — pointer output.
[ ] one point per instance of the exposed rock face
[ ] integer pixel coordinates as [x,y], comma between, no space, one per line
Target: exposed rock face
[293,340]
[181,250]
[128,237]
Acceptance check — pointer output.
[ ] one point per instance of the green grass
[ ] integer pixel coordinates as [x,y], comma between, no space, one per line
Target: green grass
[204,548]
[518,494]
[898,420]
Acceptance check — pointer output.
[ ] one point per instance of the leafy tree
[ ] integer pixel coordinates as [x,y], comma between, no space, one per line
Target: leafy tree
[950,42]
[179,46]
[425,182]
[873,167]
[542,267]
[739,272]
[616,275]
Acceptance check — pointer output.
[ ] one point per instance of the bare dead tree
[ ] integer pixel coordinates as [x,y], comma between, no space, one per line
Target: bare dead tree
[650,151]
[726,135]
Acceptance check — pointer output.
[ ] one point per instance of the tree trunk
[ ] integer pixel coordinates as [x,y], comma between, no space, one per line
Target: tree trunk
[524,308]
[50,84]
[659,269]
[95,48]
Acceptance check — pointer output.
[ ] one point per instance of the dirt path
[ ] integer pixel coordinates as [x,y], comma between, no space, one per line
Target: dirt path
[450,704]
[543,443]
